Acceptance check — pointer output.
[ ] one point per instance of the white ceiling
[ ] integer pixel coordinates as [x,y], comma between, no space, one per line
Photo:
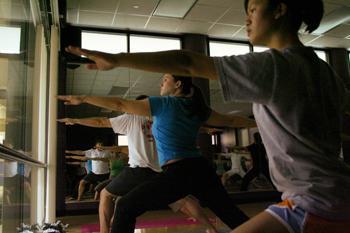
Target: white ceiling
[216,18]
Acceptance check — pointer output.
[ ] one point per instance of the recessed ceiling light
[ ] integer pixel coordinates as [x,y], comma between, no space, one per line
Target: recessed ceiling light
[348,37]
[136,6]
[175,9]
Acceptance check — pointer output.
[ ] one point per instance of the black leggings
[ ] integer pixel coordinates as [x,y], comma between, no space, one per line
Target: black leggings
[188,176]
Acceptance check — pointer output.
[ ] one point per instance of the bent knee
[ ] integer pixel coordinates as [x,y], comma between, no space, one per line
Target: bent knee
[106,194]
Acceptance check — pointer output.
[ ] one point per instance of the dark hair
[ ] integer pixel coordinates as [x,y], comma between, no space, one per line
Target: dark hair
[308,11]
[257,137]
[198,106]
[99,141]
[141,97]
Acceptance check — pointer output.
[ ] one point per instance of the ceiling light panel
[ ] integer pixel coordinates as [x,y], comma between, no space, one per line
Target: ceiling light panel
[175,9]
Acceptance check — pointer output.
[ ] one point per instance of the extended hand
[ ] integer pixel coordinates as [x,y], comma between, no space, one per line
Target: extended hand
[103,61]
[67,121]
[71,99]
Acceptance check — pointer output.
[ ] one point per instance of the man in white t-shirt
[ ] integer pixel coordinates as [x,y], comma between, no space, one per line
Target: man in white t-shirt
[99,166]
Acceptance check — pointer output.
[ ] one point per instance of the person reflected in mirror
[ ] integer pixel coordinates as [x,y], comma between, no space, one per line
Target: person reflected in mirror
[99,165]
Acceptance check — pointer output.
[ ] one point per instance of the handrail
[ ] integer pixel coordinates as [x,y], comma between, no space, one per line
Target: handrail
[10,154]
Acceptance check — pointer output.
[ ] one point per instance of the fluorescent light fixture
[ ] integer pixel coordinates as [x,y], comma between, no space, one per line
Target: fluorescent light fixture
[227,49]
[348,37]
[174,9]
[10,40]
[333,19]
[152,44]
[104,42]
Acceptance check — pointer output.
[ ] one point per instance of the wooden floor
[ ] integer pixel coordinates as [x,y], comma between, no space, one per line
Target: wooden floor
[75,222]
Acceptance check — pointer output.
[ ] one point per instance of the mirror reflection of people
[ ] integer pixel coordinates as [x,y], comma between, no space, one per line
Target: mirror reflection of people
[177,117]
[298,103]
[16,177]
[260,168]
[143,162]
[99,165]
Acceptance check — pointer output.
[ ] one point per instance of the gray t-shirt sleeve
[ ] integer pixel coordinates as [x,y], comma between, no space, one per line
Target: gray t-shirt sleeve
[247,78]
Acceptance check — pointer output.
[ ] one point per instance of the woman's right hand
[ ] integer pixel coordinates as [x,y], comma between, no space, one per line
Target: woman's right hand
[67,121]
[102,61]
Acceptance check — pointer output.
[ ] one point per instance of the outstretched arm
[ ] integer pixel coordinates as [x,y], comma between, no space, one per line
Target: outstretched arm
[178,62]
[75,152]
[137,107]
[97,122]
[117,149]
[74,163]
[222,120]
[81,158]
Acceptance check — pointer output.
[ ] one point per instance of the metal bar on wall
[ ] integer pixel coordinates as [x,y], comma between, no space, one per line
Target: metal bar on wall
[52,129]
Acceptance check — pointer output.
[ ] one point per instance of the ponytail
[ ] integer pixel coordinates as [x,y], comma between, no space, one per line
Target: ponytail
[311,14]
[198,106]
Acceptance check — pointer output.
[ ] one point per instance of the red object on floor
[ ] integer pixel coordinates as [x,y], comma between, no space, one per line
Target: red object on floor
[151,223]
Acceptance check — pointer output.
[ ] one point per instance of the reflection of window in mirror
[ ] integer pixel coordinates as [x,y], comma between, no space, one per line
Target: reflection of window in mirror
[259,49]
[104,42]
[10,44]
[138,42]
[122,140]
[227,48]
[322,55]
[214,139]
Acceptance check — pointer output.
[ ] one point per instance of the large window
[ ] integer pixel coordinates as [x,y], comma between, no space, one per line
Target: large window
[104,42]
[10,44]
[227,49]
[140,43]
[259,48]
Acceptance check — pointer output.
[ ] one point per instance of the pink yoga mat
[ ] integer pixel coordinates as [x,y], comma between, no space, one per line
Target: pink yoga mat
[151,223]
